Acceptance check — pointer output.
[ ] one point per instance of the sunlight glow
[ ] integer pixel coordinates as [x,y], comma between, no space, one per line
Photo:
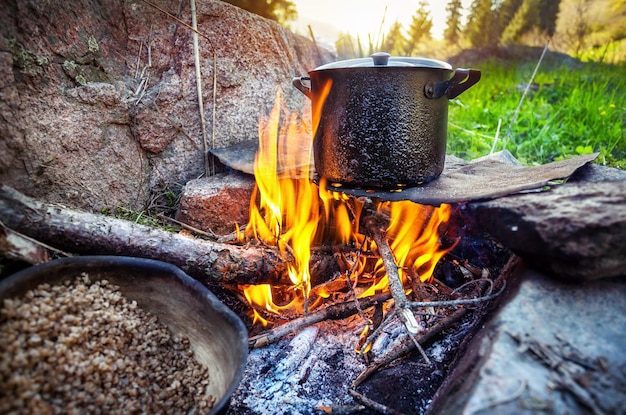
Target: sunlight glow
[363,17]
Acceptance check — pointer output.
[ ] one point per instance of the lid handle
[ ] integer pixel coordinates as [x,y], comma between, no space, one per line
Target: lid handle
[380,58]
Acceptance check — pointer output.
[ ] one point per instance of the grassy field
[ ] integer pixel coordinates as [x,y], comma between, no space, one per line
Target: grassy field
[571,110]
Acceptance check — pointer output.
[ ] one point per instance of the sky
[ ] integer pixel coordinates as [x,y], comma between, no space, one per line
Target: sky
[362,17]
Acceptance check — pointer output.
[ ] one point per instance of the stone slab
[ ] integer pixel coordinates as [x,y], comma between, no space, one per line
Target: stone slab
[553,348]
[575,230]
[488,177]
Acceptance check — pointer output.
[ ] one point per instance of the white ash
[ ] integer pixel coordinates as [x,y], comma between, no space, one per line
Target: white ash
[391,335]
[82,347]
[311,372]
[302,374]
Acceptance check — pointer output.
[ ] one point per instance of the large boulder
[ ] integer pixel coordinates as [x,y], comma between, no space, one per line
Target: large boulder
[99,102]
[575,231]
[555,347]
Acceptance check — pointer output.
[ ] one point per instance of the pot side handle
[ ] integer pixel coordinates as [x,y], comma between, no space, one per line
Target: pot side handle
[462,80]
[297,82]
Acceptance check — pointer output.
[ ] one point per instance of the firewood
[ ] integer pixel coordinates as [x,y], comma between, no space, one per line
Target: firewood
[432,332]
[19,247]
[332,312]
[87,233]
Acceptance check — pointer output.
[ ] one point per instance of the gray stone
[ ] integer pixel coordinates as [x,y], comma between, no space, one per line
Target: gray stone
[555,348]
[576,230]
[99,103]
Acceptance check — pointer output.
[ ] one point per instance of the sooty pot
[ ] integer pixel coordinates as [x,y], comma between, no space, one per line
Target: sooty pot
[382,121]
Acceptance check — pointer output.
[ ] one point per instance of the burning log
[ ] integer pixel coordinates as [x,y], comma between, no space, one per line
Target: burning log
[87,233]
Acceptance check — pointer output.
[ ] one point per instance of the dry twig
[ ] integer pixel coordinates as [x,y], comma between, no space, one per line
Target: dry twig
[475,282]
[332,312]
[424,337]
[349,273]
[383,409]
[193,229]
[196,56]
[461,301]
[209,169]
[171,16]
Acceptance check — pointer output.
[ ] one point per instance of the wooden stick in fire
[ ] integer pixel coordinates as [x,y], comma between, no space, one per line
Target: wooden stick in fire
[374,228]
[332,312]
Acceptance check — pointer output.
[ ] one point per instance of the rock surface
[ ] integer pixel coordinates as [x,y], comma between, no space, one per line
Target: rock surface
[555,348]
[99,104]
[218,203]
[576,230]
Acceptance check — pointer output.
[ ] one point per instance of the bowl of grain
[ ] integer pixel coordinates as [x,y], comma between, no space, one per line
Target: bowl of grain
[107,334]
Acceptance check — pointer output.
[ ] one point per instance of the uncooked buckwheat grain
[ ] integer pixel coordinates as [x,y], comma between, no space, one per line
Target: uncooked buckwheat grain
[82,347]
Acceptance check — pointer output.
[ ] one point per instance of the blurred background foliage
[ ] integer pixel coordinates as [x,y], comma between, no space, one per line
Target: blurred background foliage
[585,29]
[576,104]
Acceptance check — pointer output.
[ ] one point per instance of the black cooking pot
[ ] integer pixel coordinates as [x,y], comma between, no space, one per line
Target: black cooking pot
[384,121]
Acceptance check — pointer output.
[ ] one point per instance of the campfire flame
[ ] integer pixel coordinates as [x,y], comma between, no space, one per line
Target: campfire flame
[413,231]
[289,211]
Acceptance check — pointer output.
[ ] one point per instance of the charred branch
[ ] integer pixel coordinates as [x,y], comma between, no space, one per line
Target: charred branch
[378,407]
[425,337]
[332,312]
[431,333]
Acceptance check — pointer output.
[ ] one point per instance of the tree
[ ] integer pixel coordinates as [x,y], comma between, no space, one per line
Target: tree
[482,29]
[506,11]
[453,22]
[282,11]
[580,27]
[393,42]
[419,30]
[548,15]
[521,22]
[537,15]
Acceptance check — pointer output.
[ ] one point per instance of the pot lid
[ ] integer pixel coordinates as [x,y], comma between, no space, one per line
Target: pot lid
[383,59]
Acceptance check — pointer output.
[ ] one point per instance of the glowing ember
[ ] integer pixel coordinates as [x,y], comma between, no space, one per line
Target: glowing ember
[289,211]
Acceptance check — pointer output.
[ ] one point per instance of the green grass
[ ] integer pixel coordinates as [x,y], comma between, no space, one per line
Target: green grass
[144,217]
[576,110]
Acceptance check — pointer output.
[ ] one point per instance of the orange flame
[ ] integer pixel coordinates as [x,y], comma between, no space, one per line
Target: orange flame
[289,211]
[413,231]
